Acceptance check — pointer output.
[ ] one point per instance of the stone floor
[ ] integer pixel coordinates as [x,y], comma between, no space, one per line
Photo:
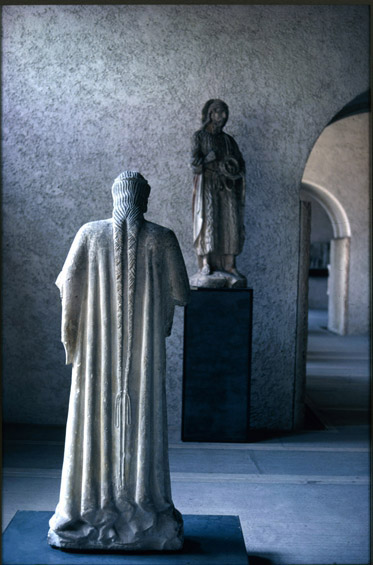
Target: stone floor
[302,498]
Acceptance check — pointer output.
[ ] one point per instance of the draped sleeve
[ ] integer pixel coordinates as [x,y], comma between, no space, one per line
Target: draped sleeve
[178,282]
[72,285]
[197,155]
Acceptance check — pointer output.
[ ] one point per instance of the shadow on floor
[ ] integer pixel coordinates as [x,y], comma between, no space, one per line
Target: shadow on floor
[312,422]
[259,560]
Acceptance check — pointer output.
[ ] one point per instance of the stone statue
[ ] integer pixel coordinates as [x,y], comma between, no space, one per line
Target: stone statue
[119,286]
[218,200]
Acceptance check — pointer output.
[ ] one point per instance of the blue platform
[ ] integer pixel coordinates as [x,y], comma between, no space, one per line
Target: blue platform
[209,540]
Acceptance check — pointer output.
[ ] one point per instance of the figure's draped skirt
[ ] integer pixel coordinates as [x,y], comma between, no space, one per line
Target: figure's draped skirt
[221,230]
[94,510]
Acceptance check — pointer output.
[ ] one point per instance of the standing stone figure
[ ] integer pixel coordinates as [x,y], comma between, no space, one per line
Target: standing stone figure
[218,200]
[119,286]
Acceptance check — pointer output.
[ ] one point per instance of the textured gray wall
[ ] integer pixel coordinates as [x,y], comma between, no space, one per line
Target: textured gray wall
[340,163]
[91,90]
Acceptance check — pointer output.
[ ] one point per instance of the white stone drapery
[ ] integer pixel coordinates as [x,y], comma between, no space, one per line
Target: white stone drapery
[97,509]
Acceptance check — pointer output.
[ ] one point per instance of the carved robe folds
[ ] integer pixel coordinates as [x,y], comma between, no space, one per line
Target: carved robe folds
[115,489]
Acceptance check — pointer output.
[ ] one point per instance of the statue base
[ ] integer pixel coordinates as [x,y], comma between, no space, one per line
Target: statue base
[217,365]
[217,279]
[158,538]
[209,540]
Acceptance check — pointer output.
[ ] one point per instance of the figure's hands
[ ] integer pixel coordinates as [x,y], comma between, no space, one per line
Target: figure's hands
[210,157]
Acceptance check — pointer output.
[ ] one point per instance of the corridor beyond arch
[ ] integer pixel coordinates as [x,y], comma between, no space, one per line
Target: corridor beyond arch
[339,254]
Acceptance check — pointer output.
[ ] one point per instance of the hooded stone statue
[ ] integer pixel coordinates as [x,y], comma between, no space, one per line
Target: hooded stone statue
[119,285]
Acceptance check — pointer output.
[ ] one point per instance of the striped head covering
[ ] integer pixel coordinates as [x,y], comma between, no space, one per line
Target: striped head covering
[130,196]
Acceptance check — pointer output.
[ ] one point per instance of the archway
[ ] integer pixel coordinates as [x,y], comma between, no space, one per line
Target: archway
[339,254]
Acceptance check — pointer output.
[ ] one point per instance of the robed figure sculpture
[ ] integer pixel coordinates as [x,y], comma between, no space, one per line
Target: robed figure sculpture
[119,286]
[218,200]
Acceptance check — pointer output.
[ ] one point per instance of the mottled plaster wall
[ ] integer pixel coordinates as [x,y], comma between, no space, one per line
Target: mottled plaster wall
[91,90]
[340,163]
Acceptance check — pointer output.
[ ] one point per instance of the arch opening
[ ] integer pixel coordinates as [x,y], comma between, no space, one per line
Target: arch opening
[332,206]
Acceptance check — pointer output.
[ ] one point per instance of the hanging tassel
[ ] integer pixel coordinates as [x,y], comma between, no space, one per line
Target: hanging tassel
[118,406]
[128,408]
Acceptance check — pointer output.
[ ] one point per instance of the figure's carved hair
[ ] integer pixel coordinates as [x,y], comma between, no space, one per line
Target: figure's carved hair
[130,189]
[207,108]
[130,195]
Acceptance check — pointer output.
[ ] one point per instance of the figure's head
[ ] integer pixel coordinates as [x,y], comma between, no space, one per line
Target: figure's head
[215,112]
[130,194]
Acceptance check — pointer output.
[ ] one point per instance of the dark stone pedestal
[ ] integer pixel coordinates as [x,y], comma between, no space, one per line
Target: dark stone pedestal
[209,540]
[217,359]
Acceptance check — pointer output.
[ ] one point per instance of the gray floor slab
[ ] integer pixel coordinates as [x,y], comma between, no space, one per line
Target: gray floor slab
[332,369]
[302,497]
[209,540]
[273,516]
[28,493]
[327,463]
[346,437]
[212,460]
[320,339]
[291,524]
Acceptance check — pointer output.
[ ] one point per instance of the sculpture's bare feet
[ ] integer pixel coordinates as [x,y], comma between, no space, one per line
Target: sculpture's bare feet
[206,270]
[233,271]
[229,262]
